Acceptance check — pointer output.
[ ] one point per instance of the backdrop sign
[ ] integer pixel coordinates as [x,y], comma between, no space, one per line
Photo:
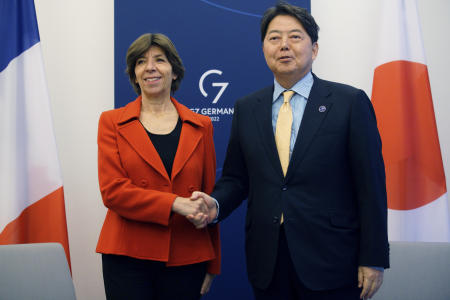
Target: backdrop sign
[220,45]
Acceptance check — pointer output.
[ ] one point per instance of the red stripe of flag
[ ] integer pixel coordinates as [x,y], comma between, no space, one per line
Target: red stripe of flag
[42,222]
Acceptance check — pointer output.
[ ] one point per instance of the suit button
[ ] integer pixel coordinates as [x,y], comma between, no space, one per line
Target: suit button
[276,220]
[191,188]
[284,188]
[143,182]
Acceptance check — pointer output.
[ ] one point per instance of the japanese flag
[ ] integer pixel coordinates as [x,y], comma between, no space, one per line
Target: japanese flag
[401,95]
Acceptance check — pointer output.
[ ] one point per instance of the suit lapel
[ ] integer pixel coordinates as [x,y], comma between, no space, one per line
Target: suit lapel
[131,129]
[263,116]
[189,139]
[316,110]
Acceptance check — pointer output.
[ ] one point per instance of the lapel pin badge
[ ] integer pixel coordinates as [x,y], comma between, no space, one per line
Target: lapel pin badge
[322,108]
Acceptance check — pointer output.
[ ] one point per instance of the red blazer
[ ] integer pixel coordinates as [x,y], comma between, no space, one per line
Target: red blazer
[139,194]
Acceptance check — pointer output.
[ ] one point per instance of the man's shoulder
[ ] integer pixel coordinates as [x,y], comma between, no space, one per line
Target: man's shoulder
[335,86]
[264,93]
[337,90]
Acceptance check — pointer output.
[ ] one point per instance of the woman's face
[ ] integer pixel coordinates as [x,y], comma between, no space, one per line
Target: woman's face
[154,73]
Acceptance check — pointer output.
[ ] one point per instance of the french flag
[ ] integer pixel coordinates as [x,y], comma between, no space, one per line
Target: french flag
[401,96]
[31,190]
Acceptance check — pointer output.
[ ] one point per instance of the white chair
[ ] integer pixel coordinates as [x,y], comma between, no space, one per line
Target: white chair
[35,271]
[419,271]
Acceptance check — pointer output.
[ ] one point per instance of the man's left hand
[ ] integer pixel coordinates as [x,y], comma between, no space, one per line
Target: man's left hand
[370,280]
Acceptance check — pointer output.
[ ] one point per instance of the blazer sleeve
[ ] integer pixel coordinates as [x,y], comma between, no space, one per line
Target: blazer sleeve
[118,191]
[232,187]
[209,178]
[369,183]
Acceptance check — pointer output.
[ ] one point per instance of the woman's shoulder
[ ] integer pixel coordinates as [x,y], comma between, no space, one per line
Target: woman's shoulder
[193,117]
[113,111]
[123,113]
[203,118]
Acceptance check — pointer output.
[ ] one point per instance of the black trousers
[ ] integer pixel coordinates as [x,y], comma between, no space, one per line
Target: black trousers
[286,285]
[128,278]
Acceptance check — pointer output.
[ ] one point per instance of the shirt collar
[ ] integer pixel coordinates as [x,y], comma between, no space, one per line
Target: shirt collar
[302,87]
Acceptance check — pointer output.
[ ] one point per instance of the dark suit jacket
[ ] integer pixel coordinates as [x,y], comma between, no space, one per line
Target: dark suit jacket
[333,196]
[139,193]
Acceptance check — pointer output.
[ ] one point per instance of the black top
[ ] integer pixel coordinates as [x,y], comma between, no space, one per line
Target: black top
[166,145]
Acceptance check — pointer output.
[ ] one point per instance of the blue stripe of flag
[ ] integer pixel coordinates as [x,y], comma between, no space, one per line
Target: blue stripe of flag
[18,29]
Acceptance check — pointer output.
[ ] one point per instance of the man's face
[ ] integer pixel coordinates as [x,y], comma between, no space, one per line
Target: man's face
[288,49]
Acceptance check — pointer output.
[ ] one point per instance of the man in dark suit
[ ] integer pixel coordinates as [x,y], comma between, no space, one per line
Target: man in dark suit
[316,225]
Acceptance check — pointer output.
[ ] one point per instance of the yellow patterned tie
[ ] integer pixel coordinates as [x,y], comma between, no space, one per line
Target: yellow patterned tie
[283,130]
[283,133]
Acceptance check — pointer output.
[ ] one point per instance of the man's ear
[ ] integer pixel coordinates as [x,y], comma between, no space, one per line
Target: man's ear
[315,50]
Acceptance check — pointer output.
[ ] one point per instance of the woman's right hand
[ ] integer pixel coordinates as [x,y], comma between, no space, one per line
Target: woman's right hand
[186,206]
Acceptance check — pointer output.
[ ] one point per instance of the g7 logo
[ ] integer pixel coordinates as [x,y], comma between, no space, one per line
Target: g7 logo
[223,85]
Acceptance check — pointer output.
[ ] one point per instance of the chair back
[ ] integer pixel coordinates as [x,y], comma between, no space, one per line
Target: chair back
[35,271]
[418,271]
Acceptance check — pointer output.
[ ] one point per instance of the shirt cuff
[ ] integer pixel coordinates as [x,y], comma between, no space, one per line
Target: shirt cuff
[216,220]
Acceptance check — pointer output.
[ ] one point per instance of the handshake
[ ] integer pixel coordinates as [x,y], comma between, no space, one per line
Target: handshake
[200,209]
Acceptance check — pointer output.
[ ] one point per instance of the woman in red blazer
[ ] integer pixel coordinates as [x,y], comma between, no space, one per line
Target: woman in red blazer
[152,154]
